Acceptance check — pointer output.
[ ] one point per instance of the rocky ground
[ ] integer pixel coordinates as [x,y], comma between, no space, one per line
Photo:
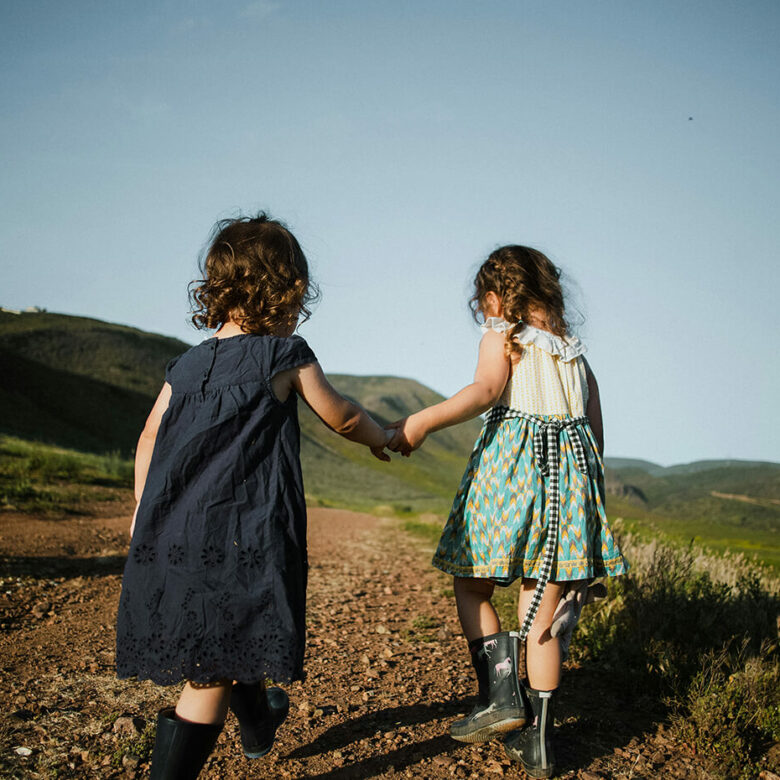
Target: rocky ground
[387,670]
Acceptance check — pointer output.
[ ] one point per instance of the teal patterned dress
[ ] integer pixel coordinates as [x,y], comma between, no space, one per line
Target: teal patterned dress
[531,469]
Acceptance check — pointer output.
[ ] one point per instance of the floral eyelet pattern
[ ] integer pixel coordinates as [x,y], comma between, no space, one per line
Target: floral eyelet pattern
[250,558]
[176,555]
[212,556]
[144,554]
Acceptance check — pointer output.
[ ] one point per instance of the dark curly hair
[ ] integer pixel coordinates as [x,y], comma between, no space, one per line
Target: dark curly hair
[524,279]
[254,273]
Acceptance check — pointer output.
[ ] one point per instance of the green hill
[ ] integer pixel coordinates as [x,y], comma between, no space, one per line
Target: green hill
[88,385]
[85,384]
[726,505]
[116,355]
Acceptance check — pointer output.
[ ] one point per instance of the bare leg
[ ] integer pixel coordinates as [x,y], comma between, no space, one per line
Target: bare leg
[477,615]
[543,651]
[204,703]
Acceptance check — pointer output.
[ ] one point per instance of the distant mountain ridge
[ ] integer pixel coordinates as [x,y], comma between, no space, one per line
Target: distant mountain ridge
[655,469]
[88,384]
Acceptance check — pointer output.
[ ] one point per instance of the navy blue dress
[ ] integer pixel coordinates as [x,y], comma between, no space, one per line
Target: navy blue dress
[215,582]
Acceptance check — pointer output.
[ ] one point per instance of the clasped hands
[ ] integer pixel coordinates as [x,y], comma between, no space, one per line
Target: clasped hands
[404,436]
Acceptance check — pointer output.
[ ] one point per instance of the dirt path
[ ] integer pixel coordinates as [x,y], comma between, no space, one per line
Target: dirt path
[386,668]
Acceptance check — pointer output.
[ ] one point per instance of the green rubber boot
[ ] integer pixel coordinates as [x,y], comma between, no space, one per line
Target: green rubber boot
[260,712]
[532,746]
[500,707]
[180,747]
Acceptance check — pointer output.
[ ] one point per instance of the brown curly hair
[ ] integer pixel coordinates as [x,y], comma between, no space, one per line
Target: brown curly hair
[254,273]
[524,279]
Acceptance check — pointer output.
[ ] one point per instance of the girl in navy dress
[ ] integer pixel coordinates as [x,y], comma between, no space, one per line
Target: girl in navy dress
[214,588]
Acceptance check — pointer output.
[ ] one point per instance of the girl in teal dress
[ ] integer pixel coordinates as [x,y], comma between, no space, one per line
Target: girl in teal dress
[530,505]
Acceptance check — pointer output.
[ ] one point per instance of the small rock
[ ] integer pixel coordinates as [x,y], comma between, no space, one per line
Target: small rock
[23,751]
[387,653]
[127,727]
[365,660]
[130,761]
[40,609]
[443,760]
[318,713]
[381,629]
[585,775]
[767,775]
[444,633]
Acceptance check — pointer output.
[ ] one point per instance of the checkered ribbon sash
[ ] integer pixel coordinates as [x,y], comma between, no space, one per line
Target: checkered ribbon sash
[547,438]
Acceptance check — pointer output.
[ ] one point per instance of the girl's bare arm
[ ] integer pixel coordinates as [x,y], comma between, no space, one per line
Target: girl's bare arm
[346,418]
[145,446]
[593,410]
[489,381]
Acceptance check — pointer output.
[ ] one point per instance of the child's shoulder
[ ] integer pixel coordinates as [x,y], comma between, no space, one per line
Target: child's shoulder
[238,358]
[285,352]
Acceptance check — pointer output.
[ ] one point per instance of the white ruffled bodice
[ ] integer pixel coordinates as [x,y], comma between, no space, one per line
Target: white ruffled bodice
[550,377]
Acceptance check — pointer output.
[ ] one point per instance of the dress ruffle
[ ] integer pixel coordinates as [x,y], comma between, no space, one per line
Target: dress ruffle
[567,349]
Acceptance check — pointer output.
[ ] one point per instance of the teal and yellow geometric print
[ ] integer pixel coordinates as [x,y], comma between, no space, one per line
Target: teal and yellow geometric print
[497,527]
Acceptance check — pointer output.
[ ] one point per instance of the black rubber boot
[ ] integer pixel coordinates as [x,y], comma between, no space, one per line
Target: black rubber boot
[532,746]
[260,712]
[500,707]
[181,748]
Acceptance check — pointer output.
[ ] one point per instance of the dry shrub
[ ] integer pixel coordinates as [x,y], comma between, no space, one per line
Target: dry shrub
[731,711]
[698,634]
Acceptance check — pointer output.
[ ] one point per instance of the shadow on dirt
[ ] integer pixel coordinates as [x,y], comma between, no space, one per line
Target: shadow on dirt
[591,725]
[344,734]
[408,755]
[67,566]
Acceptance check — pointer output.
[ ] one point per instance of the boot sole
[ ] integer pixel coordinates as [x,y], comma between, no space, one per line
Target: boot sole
[489,732]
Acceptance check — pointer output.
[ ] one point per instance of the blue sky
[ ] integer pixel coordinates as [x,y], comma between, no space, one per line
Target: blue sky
[402,142]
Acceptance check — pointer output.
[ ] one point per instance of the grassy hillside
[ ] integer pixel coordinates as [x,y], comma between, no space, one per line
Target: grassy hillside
[51,405]
[726,505]
[116,355]
[88,385]
[339,473]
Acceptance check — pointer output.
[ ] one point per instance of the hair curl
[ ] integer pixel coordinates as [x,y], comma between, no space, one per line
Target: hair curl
[254,273]
[524,279]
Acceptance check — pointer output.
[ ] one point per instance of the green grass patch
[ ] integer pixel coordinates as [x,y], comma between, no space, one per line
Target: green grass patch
[41,478]
[139,745]
[421,628]
[422,529]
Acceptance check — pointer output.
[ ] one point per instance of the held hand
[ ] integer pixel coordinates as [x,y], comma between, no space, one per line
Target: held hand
[379,452]
[409,435]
